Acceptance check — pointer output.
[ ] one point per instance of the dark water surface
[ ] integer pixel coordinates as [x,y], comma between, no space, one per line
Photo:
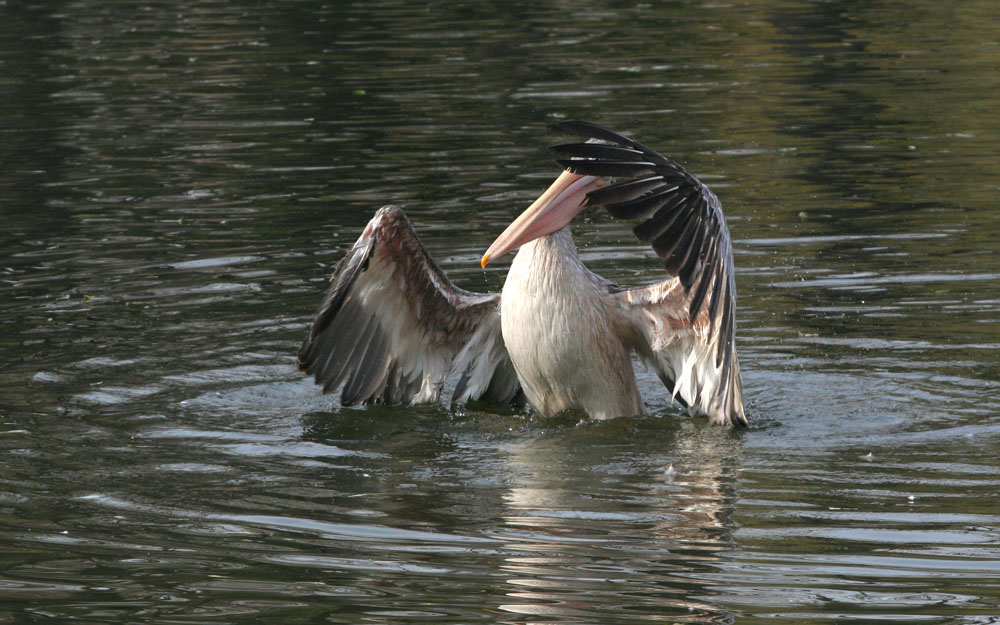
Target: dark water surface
[178,178]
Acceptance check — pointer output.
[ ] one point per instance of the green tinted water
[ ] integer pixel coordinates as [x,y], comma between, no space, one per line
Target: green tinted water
[177,180]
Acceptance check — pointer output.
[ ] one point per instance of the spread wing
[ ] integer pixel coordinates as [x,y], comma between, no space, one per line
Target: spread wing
[686,324]
[392,328]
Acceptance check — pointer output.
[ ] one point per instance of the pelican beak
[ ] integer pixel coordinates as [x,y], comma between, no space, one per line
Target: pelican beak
[555,208]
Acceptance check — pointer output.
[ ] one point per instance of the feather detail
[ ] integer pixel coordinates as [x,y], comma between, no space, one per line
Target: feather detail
[393,329]
[683,221]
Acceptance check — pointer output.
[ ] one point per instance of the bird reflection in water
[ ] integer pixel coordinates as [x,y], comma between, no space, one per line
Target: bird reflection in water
[597,526]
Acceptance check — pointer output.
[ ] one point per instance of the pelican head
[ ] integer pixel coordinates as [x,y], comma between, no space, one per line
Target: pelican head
[555,208]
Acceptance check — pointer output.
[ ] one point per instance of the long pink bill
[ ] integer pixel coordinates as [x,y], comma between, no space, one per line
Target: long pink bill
[555,208]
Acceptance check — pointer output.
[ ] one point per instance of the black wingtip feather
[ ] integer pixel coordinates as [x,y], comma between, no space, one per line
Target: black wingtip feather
[715,300]
[675,238]
[612,169]
[641,207]
[691,263]
[704,280]
[596,150]
[665,218]
[624,191]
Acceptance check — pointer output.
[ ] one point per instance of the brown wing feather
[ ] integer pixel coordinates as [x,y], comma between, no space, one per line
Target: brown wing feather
[392,328]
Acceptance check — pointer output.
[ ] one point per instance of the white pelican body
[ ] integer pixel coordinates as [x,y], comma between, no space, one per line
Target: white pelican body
[392,327]
[563,336]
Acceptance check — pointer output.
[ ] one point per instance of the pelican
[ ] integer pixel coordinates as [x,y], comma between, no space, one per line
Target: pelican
[392,328]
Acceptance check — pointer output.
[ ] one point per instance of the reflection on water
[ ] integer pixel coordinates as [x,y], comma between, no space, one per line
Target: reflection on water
[177,180]
[628,544]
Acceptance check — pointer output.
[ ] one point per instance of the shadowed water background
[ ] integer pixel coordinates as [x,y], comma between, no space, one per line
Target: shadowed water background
[177,181]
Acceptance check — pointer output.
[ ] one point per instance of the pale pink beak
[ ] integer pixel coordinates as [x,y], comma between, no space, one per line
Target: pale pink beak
[555,208]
